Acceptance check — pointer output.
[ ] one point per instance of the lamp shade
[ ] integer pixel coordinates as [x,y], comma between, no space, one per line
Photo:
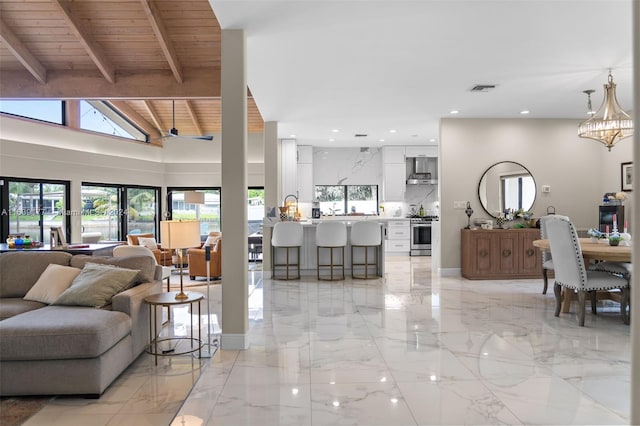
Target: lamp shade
[194,197]
[179,234]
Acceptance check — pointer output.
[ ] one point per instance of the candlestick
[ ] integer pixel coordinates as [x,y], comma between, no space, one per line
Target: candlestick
[606,229]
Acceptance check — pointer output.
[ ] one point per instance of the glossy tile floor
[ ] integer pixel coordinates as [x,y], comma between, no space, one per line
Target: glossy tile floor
[412,348]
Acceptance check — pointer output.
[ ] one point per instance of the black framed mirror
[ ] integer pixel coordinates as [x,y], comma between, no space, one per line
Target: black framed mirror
[507,185]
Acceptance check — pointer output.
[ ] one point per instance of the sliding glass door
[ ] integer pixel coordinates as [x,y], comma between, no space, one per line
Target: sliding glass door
[31,207]
[208,213]
[142,209]
[102,212]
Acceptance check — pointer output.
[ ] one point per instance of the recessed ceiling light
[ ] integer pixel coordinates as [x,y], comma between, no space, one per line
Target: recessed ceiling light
[455,111]
[525,112]
[381,140]
[335,130]
[332,140]
[432,140]
[392,131]
[292,136]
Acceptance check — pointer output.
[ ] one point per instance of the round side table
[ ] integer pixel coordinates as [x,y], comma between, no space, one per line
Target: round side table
[169,299]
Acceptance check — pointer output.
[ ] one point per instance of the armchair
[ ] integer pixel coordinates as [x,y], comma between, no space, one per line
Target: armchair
[198,264]
[163,256]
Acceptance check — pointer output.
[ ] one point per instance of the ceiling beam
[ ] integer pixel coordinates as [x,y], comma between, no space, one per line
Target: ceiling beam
[199,83]
[91,47]
[194,117]
[155,117]
[157,24]
[22,53]
[137,119]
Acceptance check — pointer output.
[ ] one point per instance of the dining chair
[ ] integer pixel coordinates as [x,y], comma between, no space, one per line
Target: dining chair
[547,259]
[570,271]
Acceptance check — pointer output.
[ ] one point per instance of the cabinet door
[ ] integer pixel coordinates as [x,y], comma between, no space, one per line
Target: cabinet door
[394,182]
[530,261]
[305,154]
[306,190]
[507,253]
[393,154]
[422,151]
[483,254]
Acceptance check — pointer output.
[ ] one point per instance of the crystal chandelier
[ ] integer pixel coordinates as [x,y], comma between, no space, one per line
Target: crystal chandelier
[610,123]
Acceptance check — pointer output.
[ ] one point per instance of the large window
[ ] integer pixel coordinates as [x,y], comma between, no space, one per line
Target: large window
[50,111]
[208,213]
[117,210]
[347,199]
[99,117]
[31,207]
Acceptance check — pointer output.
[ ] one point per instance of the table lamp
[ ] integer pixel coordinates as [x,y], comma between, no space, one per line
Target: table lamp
[179,235]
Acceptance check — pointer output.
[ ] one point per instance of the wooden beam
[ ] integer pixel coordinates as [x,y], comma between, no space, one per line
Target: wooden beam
[92,48]
[137,119]
[199,84]
[20,51]
[153,14]
[194,117]
[155,117]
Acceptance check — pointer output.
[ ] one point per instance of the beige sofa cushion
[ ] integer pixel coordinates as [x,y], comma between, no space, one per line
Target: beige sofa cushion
[19,270]
[10,306]
[53,281]
[145,264]
[62,332]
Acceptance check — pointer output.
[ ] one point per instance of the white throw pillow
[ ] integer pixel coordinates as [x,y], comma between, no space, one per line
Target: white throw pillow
[212,240]
[52,283]
[149,243]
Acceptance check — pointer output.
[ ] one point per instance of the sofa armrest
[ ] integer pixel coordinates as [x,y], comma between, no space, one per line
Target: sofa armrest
[131,302]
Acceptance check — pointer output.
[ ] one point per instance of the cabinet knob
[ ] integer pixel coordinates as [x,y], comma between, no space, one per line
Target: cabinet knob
[530,252]
[483,253]
[506,253]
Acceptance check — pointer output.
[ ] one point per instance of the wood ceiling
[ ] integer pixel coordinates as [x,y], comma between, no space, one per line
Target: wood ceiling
[140,55]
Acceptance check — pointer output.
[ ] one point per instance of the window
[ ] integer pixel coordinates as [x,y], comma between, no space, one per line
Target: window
[31,207]
[518,191]
[142,210]
[102,211]
[347,199]
[49,111]
[208,213]
[99,117]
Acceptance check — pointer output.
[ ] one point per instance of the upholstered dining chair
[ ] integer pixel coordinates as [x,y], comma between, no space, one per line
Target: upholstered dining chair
[570,271]
[547,259]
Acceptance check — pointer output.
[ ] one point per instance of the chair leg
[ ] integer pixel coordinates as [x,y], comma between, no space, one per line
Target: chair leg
[624,303]
[557,290]
[582,299]
[594,302]
[546,281]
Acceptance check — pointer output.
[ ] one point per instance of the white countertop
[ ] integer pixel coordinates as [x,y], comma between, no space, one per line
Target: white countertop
[270,222]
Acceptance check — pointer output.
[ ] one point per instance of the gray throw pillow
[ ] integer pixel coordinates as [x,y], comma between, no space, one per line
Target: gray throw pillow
[96,285]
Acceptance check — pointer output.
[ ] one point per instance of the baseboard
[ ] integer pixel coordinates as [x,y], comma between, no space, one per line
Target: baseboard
[449,272]
[232,341]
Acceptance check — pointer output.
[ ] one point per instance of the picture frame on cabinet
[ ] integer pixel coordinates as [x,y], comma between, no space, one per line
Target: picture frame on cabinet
[626,176]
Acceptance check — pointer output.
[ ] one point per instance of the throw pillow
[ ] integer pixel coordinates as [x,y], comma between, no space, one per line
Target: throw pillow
[96,285]
[149,243]
[52,282]
[212,240]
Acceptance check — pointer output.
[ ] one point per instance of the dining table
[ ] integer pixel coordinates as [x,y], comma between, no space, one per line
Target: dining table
[594,251]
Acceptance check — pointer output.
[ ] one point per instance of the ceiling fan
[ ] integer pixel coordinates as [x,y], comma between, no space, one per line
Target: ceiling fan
[173,132]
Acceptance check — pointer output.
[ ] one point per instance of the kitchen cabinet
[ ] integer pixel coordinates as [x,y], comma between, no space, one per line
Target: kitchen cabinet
[289,166]
[500,254]
[306,189]
[421,151]
[398,237]
[394,173]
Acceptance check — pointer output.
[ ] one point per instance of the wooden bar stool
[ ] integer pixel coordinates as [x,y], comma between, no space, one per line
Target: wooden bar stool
[365,235]
[331,235]
[286,235]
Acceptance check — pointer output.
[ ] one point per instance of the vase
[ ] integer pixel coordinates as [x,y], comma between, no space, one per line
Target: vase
[284,211]
[614,242]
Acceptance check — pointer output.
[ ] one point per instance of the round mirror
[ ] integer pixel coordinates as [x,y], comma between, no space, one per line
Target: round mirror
[506,186]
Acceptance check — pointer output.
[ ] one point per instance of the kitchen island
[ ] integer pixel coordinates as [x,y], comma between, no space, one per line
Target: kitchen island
[308,255]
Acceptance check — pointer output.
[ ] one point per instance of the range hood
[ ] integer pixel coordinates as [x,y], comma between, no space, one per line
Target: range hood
[422,173]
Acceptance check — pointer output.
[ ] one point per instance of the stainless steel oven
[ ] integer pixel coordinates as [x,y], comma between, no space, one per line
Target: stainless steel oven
[421,236]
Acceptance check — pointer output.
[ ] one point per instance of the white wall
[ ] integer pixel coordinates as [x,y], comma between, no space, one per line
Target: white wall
[578,170]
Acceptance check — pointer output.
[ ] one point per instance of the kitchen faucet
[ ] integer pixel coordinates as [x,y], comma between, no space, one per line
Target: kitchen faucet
[295,198]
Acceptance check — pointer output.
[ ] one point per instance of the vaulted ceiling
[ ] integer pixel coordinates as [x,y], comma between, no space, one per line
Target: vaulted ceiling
[140,55]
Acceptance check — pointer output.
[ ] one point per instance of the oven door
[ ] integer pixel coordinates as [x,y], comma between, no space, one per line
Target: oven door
[420,239]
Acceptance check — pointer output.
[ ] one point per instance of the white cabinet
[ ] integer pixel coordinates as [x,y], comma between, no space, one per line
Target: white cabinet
[306,190]
[394,181]
[421,151]
[394,173]
[398,239]
[288,166]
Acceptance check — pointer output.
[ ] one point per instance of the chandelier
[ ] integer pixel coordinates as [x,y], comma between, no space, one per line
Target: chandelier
[610,123]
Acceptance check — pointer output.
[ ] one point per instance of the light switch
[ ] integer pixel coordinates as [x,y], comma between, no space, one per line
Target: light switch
[460,205]
[546,188]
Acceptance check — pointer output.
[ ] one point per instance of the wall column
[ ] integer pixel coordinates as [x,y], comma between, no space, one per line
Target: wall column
[235,322]
[271,185]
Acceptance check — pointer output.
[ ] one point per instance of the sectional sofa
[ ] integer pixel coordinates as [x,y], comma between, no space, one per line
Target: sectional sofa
[61,346]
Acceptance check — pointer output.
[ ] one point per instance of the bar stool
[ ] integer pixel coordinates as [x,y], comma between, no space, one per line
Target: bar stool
[365,235]
[286,235]
[331,235]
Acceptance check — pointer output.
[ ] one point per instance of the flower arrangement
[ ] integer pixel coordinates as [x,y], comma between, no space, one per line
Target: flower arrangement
[614,239]
[594,233]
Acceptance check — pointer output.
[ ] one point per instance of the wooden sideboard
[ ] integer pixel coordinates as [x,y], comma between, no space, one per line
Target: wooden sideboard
[500,254]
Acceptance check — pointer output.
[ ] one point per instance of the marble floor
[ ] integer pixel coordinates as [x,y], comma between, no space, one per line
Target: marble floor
[412,348]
